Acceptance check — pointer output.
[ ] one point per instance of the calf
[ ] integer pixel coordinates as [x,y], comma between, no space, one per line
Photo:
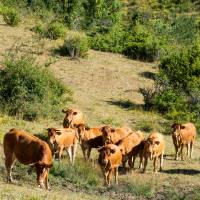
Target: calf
[153,149]
[63,139]
[110,158]
[183,134]
[89,138]
[28,150]
[113,136]
[73,117]
[130,147]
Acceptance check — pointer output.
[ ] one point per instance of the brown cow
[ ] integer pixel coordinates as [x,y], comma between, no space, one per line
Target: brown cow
[113,136]
[130,147]
[63,139]
[28,150]
[89,138]
[110,158]
[73,117]
[183,134]
[153,149]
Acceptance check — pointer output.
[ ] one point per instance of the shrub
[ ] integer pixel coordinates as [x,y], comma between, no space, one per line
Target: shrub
[148,95]
[55,30]
[39,29]
[30,91]
[140,44]
[75,45]
[11,16]
[109,42]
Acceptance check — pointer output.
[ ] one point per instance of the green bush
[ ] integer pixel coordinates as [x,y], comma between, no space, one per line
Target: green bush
[109,42]
[140,44]
[11,16]
[39,29]
[55,30]
[75,45]
[30,91]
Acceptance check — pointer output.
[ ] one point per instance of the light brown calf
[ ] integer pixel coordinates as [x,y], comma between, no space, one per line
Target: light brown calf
[63,139]
[113,136]
[28,150]
[153,149]
[183,135]
[73,117]
[89,138]
[130,147]
[110,158]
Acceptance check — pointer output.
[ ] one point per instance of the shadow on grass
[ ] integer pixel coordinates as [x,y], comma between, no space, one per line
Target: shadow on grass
[181,171]
[149,75]
[125,104]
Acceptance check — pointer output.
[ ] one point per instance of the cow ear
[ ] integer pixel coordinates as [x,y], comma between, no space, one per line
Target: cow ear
[112,150]
[64,111]
[173,125]
[75,113]
[182,127]
[157,142]
[58,132]
[48,129]
[112,130]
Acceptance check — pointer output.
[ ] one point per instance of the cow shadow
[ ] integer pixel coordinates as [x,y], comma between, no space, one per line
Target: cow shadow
[182,171]
[125,104]
[149,75]
[169,156]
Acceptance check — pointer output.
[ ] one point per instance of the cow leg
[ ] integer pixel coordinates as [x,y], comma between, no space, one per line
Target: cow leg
[88,153]
[145,164]
[60,152]
[9,161]
[131,162]
[74,147]
[124,163]
[105,177]
[154,164]
[46,179]
[176,153]
[116,175]
[188,149]
[141,160]
[84,152]
[191,149]
[161,162]
[109,177]
[69,151]
[181,151]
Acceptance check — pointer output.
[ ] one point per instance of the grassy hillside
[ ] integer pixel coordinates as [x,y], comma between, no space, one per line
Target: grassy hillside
[105,87]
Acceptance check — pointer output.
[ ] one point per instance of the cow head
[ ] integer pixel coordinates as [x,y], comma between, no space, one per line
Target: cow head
[104,154]
[107,132]
[176,130]
[53,133]
[150,146]
[70,117]
[42,175]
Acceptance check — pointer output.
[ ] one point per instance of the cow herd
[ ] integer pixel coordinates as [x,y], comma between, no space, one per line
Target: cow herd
[116,146]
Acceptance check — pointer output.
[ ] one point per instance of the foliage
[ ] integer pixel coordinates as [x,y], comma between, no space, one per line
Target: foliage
[55,30]
[75,45]
[11,16]
[177,92]
[110,42]
[30,91]
[140,44]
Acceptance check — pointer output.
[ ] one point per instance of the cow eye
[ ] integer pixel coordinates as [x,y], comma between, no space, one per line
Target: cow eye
[74,113]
